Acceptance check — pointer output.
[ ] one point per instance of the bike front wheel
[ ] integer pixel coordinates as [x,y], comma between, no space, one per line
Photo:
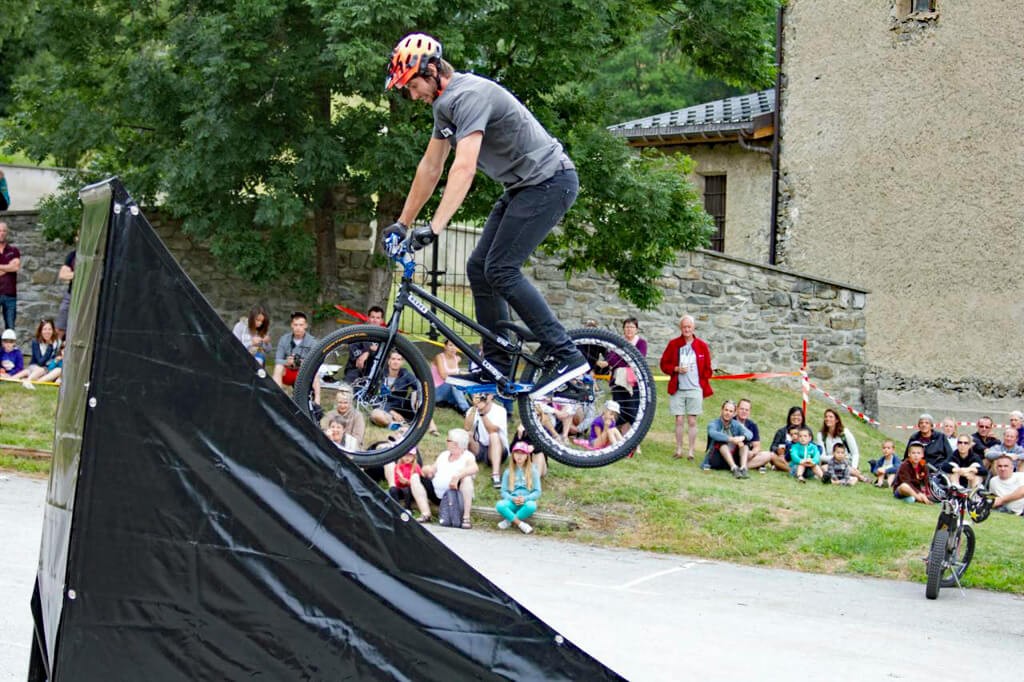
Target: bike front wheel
[385,401]
[936,559]
[561,423]
[960,557]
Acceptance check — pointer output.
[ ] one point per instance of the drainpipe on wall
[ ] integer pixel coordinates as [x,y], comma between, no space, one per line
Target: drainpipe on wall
[773,228]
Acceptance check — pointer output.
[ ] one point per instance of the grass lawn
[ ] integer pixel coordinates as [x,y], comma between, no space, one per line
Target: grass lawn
[660,504]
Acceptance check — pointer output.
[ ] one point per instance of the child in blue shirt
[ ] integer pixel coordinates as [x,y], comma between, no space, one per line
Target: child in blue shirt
[804,455]
[886,467]
[11,361]
[520,489]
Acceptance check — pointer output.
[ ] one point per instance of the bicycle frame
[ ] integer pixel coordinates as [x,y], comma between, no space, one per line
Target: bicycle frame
[423,302]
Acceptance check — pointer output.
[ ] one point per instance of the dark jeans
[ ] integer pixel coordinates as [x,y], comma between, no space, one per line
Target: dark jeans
[518,223]
[9,304]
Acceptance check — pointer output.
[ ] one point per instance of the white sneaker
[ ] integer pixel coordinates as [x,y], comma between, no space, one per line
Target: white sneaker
[525,527]
[504,524]
[28,384]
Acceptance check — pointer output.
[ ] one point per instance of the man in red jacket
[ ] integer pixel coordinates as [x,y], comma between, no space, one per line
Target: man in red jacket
[687,361]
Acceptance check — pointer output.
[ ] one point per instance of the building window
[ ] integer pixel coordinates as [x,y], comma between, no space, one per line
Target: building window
[714,204]
[912,9]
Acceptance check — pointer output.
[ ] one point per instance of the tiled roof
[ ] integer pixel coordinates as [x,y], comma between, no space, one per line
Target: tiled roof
[719,119]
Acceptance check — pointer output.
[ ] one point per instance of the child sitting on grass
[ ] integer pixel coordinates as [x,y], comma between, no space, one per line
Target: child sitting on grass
[604,430]
[804,456]
[520,490]
[912,484]
[408,485]
[886,467]
[840,472]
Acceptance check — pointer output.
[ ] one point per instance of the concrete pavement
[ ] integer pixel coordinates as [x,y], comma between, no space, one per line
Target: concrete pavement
[658,617]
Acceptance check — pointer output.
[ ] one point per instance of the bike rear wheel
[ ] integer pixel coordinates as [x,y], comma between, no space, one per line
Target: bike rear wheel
[546,419]
[936,558]
[377,397]
[959,558]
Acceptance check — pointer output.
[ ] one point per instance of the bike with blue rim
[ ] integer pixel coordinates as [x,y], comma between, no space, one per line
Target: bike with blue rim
[393,389]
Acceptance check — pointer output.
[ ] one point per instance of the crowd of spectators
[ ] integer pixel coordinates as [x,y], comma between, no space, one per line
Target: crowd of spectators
[47,343]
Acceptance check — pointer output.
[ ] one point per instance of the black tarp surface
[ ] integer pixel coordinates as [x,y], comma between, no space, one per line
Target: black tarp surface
[198,527]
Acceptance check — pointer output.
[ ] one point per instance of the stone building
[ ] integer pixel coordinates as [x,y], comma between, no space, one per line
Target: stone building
[902,170]
[897,172]
[730,143]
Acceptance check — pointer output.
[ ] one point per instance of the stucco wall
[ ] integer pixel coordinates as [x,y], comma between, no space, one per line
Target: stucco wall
[903,170]
[748,195]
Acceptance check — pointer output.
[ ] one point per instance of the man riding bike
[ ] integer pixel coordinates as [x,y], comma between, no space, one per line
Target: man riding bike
[491,130]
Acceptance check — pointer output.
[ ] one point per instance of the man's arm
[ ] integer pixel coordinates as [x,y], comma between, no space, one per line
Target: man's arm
[460,179]
[13,266]
[66,274]
[428,172]
[1009,497]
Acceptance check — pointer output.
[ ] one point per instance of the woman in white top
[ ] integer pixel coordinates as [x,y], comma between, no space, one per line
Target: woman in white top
[832,432]
[254,333]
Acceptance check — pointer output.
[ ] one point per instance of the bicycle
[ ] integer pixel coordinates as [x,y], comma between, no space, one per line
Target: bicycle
[952,547]
[392,358]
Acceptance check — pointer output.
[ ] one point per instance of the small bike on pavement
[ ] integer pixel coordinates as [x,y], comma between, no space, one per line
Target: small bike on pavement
[953,542]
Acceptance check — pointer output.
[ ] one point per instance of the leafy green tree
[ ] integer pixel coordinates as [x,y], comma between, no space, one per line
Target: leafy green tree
[246,120]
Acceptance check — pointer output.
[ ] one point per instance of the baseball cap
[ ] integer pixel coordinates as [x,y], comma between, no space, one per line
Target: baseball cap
[9,335]
[613,406]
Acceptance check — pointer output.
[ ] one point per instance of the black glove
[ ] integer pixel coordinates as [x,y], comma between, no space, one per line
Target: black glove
[422,236]
[392,237]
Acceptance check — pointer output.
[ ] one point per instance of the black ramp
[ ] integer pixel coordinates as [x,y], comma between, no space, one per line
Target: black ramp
[199,528]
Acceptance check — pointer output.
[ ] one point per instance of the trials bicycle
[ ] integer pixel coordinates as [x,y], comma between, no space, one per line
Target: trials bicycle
[952,545]
[395,378]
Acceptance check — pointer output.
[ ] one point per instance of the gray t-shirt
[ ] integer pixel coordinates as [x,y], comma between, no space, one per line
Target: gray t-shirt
[516,150]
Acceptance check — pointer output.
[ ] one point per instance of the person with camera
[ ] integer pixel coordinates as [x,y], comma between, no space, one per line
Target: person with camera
[487,421]
[291,349]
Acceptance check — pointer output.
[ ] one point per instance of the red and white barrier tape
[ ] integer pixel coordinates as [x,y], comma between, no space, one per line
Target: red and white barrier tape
[913,427]
[857,413]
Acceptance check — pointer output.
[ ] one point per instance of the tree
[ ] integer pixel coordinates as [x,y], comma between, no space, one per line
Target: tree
[245,120]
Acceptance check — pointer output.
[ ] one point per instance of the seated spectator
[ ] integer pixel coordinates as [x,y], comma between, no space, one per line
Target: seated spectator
[885,467]
[520,490]
[446,363]
[1017,424]
[402,397]
[603,430]
[537,458]
[936,447]
[983,438]
[840,472]
[351,418]
[727,437]
[11,360]
[408,485]
[336,432]
[360,353]
[45,349]
[623,382]
[804,456]
[1008,448]
[756,458]
[1008,487]
[291,350]
[454,469]
[832,432]
[948,428]
[785,437]
[254,333]
[487,420]
[912,483]
[965,467]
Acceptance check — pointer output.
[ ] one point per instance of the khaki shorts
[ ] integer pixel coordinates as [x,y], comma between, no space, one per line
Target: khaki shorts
[690,401]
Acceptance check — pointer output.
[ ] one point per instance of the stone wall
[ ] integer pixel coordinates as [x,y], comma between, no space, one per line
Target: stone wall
[753,316]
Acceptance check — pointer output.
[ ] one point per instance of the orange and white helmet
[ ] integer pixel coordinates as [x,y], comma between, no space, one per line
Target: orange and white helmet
[411,56]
